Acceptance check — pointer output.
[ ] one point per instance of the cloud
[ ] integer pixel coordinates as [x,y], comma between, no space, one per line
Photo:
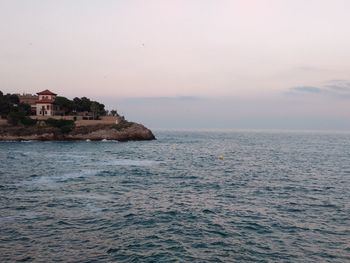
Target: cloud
[340,86]
[279,112]
[306,89]
[333,88]
[164,99]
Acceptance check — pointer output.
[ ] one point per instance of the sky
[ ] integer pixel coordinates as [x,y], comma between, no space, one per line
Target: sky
[240,64]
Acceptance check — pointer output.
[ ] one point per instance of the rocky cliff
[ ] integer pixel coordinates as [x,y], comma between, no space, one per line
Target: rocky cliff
[124,131]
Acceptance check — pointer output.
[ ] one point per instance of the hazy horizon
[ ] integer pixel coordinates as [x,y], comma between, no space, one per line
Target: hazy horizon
[187,64]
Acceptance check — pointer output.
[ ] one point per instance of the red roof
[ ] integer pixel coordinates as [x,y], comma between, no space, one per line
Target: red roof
[46,92]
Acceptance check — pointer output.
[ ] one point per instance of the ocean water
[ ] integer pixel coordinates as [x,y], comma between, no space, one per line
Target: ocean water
[188,196]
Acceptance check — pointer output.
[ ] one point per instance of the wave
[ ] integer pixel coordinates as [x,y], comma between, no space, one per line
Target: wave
[54,179]
[130,162]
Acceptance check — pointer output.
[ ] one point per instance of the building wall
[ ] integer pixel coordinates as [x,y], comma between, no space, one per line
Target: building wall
[27,98]
[47,97]
[79,121]
[44,109]
[45,106]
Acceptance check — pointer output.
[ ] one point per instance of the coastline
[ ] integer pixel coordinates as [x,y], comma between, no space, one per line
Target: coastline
[123,131]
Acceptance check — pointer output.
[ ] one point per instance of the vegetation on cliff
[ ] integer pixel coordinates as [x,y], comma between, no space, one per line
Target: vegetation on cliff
[65,126]
[21,127]
[84,104]
[14,111]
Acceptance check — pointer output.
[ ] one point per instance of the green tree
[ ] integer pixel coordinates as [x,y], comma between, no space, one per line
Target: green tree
[19,117]
[12,98]
[14,117]
[64,104]
[26,108]
[77,104]
[82,104]
[8,103]
[4,105]
[95,109]
[85,104]
[114,112]
[103,112]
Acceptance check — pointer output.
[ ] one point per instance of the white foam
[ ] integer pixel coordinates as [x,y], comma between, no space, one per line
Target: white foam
[52,181]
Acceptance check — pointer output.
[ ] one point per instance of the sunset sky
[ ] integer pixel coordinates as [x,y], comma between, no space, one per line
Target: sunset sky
[260,64]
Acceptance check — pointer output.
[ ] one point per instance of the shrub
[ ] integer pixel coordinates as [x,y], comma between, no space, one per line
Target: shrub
[65,126]
[14,117]
[123,125]
[26,121]
[19,117]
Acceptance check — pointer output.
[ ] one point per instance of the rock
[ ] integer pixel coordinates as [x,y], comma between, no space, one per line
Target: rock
[123,131]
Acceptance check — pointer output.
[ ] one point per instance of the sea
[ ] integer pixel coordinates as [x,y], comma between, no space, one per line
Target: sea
[189,196]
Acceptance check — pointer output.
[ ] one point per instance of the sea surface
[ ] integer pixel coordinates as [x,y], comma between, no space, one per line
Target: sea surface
[186,197]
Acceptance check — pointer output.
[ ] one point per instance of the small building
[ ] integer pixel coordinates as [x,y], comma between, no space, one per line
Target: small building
[45,105]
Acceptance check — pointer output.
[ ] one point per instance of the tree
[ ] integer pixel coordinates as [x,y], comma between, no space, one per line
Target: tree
[95,109]
[85,104]
[114,113]
[14,117]
[19,117]
[12,98]
[4,105]
[102,110]
[82,104]
[64,104]
[77,104]
[25,108]
[8,103]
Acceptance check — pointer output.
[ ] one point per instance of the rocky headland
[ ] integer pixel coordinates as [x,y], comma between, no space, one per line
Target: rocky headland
[123,131]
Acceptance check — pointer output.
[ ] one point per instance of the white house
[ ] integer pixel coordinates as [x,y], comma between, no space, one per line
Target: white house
[45,104]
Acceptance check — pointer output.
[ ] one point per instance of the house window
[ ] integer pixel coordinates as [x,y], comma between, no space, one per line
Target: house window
[47,107]
[45,112]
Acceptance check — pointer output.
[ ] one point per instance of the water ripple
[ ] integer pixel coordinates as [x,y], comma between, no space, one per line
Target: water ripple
[189,196]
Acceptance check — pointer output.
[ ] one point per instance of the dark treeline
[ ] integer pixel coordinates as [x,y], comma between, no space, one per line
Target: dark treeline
[83,104]
[10,103]
[16,112]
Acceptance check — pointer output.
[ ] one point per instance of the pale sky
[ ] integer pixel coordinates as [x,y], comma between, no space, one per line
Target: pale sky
[281,64]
